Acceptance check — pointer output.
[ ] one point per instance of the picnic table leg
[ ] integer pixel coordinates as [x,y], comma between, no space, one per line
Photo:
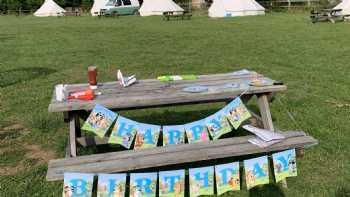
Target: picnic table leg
[265,113]
[68,152]
[329,16]
[300,152]
[74,129]
[256,120]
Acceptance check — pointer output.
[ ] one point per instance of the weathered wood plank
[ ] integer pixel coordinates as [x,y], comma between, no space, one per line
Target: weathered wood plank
[68,152]
[154,82]
[265,113]
[214,86]
[139,87]
[72,135]
[182,147]
[164,156]
[217,86]
[157,99]
[143,93]
[143,86]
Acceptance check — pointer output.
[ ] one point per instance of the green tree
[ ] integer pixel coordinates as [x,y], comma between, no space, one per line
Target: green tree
[13,4]
[35,4]
[86,4]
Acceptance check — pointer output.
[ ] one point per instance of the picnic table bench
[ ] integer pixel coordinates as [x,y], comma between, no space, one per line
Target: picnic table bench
[332,15]
[158,157]
[177,15]
[151,93]
[72,13]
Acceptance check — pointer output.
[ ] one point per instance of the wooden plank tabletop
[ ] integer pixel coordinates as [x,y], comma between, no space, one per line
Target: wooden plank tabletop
[129,160]
[154,93]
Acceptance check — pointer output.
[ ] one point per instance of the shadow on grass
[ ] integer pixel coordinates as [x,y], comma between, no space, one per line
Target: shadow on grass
[269,190]
[14,76]
[45,122]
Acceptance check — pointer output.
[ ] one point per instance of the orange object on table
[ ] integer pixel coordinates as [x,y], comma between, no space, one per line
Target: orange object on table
[82,95]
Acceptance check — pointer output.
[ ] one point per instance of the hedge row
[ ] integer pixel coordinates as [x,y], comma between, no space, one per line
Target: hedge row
[35,4]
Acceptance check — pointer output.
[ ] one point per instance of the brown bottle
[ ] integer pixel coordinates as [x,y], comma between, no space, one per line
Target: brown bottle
[92,74]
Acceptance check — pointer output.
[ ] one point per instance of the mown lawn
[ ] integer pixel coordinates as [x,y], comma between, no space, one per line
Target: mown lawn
[313,60]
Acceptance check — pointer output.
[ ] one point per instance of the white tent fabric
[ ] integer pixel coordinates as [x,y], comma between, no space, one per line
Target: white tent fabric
[49,8]
[345,6]
[226,8]
[157,7]
[98,5]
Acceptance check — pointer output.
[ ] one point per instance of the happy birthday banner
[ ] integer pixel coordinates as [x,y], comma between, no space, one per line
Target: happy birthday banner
[126,131]
[202,181]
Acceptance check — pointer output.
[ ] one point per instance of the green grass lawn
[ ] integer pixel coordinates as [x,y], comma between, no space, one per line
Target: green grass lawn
[312,59]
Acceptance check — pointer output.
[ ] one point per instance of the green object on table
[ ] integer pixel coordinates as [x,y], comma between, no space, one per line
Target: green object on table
[177,77]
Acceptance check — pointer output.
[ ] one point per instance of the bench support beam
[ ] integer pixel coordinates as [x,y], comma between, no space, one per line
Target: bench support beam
[265,113]
[263,104]
[74,132]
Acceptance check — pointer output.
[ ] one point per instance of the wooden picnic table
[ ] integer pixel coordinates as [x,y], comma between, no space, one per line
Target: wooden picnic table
[72,13]
[154,93]
[177,15]
[331,15]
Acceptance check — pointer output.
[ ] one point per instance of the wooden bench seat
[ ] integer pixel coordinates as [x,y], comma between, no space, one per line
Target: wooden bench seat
[332,15]
[72,13]
[183,16]
[130,160]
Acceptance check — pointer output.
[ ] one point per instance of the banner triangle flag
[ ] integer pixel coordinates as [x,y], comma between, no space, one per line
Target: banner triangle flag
[78,184]
[256,171]
[174,134]
[201,181]
[218,124]
[99,120]
[172,183]
[123,132]
[143,184]
[146,136]
[227,177]
[285,164]
[236,112]
[111,185]
[197,131]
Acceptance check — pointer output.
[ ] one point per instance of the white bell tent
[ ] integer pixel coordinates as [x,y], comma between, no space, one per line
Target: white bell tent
[157,7]
[345,6]
[49,8]
[98,5]
[228,8]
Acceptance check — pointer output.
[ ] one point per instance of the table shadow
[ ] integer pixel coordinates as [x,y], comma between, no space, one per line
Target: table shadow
[268,190]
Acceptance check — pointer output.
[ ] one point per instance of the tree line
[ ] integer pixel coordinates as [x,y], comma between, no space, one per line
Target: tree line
[35,4]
